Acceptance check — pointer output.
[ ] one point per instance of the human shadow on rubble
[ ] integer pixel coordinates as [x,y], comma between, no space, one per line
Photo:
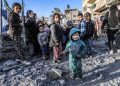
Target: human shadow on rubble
[102,74]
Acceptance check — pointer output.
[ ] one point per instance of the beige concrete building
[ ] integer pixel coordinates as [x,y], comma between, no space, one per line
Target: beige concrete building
[103,5]
[87,5]
[71,14]
[98,6]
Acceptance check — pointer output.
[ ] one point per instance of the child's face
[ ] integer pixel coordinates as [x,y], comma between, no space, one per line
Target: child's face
[40,23]
[41,29]
[75,36]
[87,18]
[31,15]
[65,26]
[17,9]
[57,18]
[80,18]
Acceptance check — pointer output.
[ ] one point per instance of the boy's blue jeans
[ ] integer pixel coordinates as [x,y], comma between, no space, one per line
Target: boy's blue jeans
[88,43]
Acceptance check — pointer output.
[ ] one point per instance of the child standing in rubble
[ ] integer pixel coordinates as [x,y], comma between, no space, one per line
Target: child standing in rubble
[15,32]
[76,49]
[43,41]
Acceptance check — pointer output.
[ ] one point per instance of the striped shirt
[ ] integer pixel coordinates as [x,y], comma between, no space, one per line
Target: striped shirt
[82,27]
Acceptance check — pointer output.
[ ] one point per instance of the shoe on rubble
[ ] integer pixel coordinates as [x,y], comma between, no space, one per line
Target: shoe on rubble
[111,52]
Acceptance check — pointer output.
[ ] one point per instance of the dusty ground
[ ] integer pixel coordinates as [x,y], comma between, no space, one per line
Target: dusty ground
[100,70]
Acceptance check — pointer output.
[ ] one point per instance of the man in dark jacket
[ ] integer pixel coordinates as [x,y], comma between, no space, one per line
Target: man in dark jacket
[32,32]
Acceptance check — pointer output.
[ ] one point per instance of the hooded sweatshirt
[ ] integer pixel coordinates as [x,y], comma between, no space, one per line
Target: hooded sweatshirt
[42,38]
[75,48]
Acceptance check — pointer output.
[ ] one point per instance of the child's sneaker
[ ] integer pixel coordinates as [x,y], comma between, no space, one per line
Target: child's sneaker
[54,61]
[81,78]
[111,52]
[73,76]
[90,54]
[44,57]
